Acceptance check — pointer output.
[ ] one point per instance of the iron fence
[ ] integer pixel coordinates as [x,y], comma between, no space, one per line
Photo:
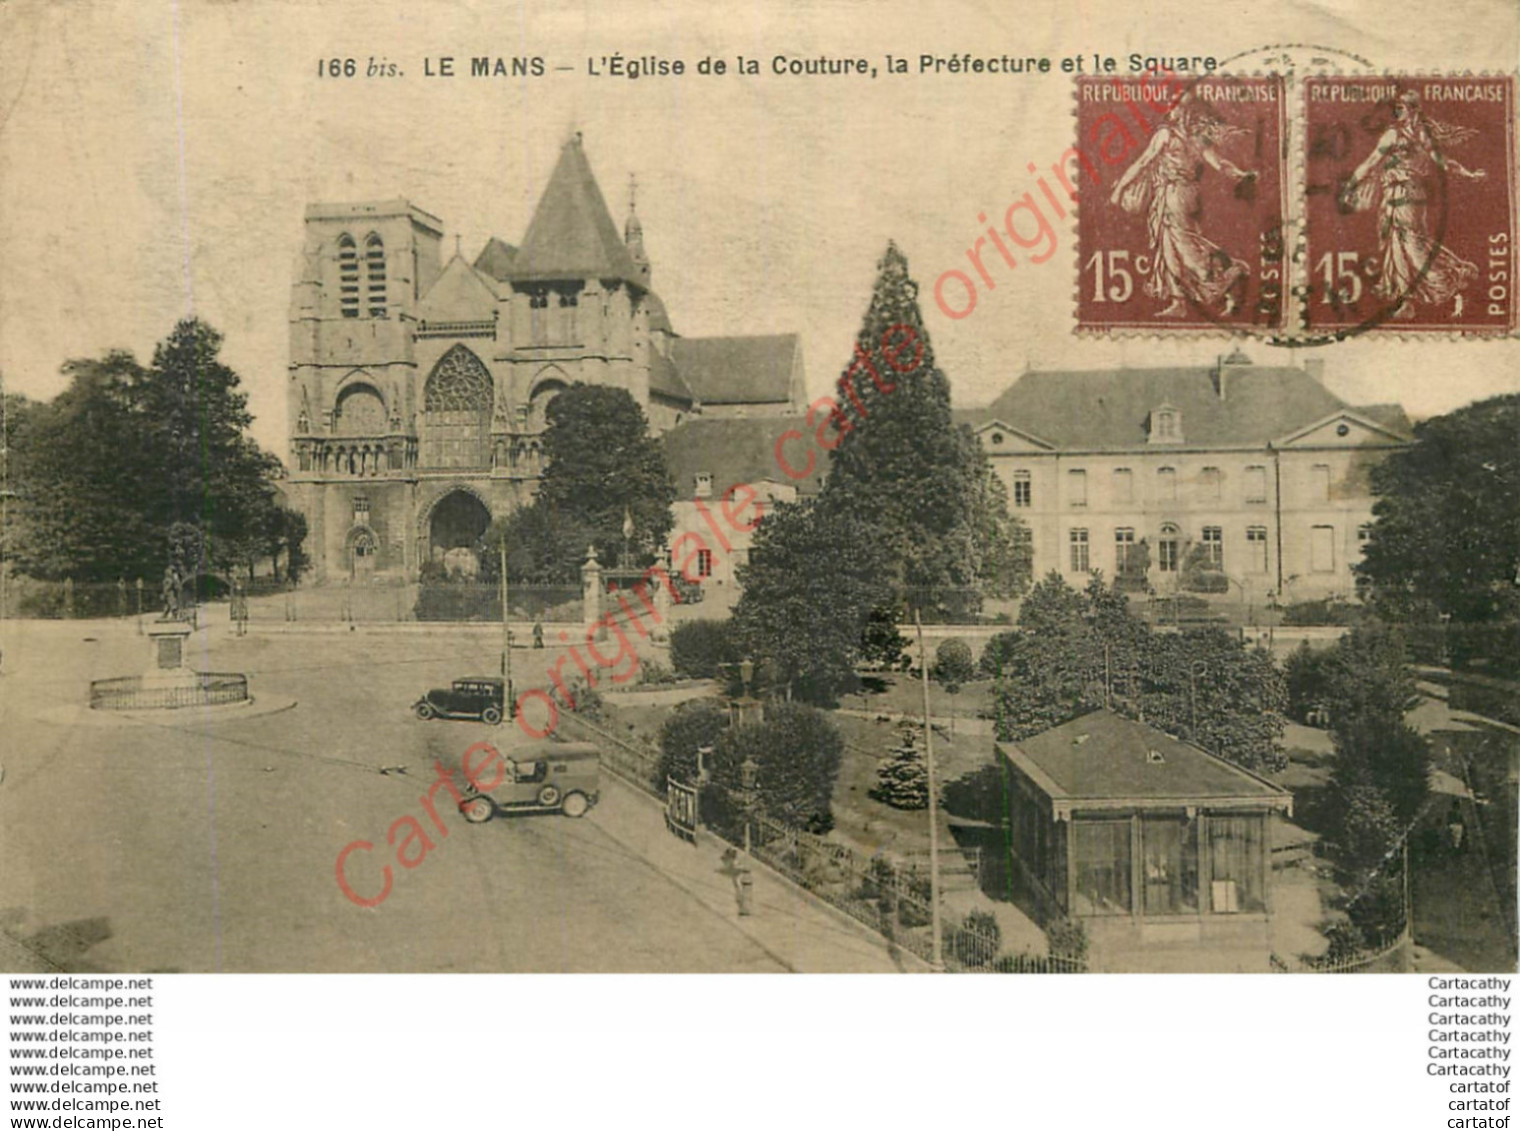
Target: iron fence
[1389,953]
[197,689]
[889,897]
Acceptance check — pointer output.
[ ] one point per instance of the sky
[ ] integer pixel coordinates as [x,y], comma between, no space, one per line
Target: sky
[155,161]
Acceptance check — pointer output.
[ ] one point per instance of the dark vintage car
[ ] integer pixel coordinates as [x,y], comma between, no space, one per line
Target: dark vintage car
[542,777]
[474,697]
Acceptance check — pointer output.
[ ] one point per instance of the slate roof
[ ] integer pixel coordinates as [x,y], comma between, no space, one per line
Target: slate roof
[738,451]
[495,259]
[664,380]
[659,318]
[740,370]
[571,235]
[1110,409]
[1102,757]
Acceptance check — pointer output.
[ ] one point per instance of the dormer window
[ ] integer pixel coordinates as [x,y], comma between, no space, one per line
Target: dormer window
[1166,425]
[704,485]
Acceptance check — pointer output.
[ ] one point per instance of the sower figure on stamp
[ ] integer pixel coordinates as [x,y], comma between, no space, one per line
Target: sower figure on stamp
[1164,182]
[1398,178]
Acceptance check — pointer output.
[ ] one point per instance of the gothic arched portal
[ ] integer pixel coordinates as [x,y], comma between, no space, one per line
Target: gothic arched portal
[457,522]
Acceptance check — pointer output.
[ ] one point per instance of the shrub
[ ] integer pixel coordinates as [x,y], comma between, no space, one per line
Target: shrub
[997,657]
[653,672]
[796,751]
[692,726]
[1329,611]
[1067,938]
[700,648]
[1307,674]
[445,600]
[881,645]
[978,941]
[953,665]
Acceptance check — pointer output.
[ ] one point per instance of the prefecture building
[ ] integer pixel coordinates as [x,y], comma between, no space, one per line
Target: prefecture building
[418,385]
[1256,473]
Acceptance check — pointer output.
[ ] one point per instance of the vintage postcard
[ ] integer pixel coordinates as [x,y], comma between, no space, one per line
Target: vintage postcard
[816,489]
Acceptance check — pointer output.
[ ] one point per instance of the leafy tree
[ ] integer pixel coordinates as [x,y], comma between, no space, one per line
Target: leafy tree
[806,598]
[1368,690]
[127,453]
[604,469]
[881,644]
[796,752]
[998,654]
[1080,651]
[81,476]
[1207,687]
[544,546]
[690,728]
[1307,675]
[902,781]
[901,466]
[702,648]
[1135,576]
[954,666]
[1447,533]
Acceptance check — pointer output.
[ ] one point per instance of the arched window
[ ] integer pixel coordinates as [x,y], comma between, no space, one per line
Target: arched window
[374,275]
[456,412]
[359,411]
[348,276]
[1167,548]
[548,386]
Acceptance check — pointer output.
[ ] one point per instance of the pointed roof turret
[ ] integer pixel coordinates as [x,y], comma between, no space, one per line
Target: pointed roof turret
[633,231]
[572,235]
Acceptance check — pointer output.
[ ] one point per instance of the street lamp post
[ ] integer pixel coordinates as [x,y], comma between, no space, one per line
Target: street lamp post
[506,637]
[938,960]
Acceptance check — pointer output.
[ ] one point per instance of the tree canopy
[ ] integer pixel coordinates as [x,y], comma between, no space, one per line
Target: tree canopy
[1447,533]
[806,598]
[603,468]
[1077,651]
[127,454]
[899,463]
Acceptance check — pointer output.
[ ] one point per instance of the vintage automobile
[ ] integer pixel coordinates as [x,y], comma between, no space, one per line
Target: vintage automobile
[539,778]
[474,697]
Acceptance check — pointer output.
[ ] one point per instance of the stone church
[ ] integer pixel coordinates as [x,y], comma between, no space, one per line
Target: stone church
[418,387]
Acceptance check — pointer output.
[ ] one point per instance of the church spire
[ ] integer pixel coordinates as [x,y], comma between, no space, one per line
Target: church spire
[633,231]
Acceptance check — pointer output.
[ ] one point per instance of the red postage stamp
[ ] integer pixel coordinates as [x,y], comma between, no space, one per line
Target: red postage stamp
[1409,204]
[1180,217]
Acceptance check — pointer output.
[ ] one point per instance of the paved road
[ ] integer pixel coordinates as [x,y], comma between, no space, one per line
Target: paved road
[197,846]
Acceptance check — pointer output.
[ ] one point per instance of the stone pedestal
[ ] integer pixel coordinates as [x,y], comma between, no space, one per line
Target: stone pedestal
[591,592]
[167,639]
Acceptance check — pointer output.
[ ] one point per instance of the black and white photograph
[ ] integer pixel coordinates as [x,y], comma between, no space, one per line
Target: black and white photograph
[822,489]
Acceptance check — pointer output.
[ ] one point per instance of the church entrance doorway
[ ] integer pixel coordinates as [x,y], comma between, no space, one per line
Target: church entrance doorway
[458,521]
[363,550]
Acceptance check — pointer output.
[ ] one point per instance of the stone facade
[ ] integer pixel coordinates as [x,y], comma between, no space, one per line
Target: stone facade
[1259,473]
[418,389]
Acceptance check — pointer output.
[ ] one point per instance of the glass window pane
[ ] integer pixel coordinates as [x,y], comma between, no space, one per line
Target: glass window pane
[1171,865]
[1236,857]
[1101,852]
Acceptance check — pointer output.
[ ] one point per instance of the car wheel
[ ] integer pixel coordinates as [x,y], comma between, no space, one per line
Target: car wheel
[490,716]
[424,711]
[478,810]
[575,805]
[548,796]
